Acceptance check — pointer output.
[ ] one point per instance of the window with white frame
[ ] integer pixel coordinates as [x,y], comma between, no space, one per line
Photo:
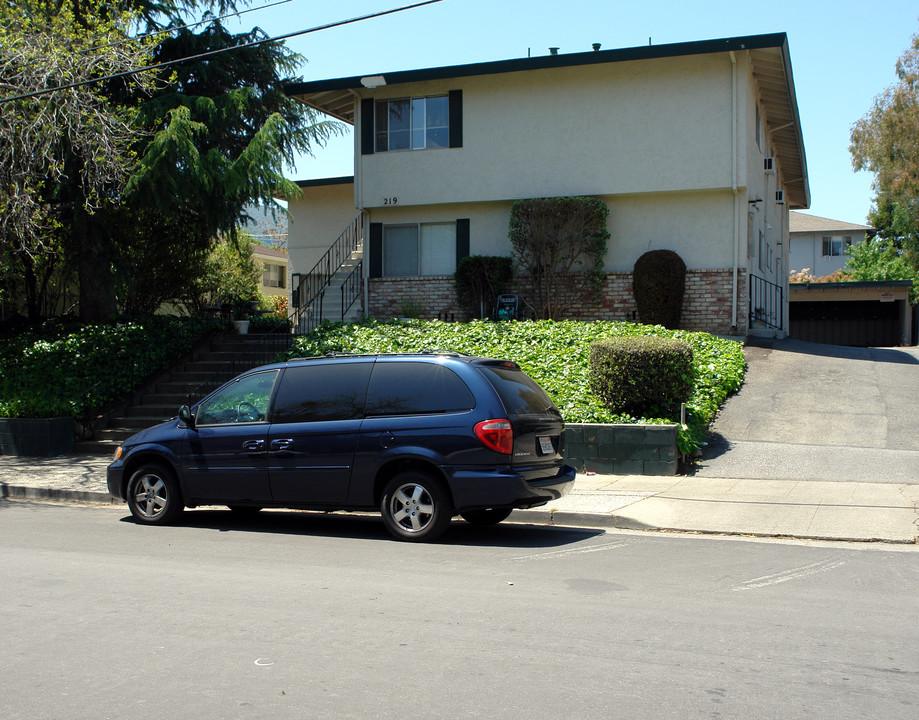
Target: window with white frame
[835,246]
[273,275]
[412,123]
[419,249]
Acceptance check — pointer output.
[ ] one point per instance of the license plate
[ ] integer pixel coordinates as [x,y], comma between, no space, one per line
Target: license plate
[545,446]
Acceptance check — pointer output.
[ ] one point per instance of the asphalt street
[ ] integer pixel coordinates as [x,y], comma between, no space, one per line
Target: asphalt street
[290,615]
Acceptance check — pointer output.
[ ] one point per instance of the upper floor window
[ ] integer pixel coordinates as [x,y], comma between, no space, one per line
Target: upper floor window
[834,246]
[412,123]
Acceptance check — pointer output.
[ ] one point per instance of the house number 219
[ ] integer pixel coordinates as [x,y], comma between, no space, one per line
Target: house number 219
[390,201]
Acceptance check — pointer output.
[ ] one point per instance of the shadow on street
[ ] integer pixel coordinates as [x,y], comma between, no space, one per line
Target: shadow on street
[347,525]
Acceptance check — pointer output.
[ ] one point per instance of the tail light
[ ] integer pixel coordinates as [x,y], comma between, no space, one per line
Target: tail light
[497,435]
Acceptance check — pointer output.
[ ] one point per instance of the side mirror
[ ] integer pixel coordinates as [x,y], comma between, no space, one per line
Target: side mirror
[186,417]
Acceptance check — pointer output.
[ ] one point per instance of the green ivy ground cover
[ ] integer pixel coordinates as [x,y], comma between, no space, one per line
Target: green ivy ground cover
[71,370]
[555,354]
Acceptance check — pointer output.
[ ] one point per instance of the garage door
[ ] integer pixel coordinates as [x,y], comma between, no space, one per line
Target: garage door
[860,323]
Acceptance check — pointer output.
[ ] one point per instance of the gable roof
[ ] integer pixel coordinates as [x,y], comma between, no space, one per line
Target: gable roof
[804,223]
[769,58]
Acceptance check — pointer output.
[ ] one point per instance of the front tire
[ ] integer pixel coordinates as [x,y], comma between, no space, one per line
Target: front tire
[153,495]
[415,507]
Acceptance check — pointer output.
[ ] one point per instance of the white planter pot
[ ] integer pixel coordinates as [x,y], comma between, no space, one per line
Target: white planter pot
[242,326]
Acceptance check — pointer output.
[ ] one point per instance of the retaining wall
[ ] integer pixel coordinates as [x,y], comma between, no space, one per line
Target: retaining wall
[622,449]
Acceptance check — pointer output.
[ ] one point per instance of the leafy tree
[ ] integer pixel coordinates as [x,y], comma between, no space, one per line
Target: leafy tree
[71,138]
[222,132]
[879,259]
[554,237]
[211,135]
[886,142]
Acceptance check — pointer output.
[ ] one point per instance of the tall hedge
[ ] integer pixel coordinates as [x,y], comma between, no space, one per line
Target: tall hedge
[645,376]
[659,283]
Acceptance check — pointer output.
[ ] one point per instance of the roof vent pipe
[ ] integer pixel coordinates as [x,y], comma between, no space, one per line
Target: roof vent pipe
[596,47]
[553,51]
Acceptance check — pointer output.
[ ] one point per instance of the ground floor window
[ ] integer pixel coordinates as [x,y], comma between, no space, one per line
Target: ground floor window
[419,249]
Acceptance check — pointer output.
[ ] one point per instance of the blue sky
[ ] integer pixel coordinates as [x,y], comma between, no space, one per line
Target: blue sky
[842,53]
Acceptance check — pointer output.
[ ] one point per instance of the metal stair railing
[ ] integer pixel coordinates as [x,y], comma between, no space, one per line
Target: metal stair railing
[307,292]
[767,303]
[351,289]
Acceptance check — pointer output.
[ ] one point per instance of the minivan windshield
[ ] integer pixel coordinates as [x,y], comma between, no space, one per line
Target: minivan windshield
[518,391]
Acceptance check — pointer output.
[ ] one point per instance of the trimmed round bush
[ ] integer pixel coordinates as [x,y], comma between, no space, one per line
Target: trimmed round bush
[659,283]
[642,376]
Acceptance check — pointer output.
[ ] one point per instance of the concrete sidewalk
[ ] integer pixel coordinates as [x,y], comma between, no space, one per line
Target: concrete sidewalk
[807,509]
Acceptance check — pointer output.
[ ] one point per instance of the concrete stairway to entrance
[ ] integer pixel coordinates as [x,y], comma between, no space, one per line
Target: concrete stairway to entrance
[161,399]
[331,301]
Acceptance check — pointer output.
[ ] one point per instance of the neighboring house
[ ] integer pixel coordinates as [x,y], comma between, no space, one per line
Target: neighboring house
[694,147]
[274,269]
[819,244]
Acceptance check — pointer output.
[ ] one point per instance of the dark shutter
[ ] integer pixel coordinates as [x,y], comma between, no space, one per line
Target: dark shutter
[376,250]
[456,118]
[367,127]
[462,239]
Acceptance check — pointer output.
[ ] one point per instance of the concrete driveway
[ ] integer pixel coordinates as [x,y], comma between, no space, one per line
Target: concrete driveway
[820,412]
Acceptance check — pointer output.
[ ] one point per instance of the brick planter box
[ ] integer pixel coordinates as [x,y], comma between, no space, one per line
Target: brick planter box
[622,449]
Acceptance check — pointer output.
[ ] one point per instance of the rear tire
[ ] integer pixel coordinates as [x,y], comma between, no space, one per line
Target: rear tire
[491,516]
[415,507]
[153,494]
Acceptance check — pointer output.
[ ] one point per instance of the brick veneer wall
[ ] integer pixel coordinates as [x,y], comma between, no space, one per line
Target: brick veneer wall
[434,294]
[706,304]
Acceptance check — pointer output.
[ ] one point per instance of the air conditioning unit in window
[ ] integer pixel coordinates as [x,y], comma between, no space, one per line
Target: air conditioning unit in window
[780,197]
[769,165]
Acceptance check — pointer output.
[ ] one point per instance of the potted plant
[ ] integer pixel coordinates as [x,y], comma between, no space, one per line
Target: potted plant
[241,313]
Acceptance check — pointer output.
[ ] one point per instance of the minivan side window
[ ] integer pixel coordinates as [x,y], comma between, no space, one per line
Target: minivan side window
[243,401]
[314,393]
[416,388]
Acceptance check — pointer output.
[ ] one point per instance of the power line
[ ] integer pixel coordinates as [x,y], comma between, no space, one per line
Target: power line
[211,53]
[167,30]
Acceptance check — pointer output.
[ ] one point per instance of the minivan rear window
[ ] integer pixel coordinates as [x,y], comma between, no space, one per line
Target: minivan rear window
[518,391]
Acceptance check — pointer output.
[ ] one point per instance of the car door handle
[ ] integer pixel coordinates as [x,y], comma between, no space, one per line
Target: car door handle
[254,445]
[282,444]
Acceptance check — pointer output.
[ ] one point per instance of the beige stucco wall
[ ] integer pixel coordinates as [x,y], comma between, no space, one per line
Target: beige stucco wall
[766,214]
[697,225]
[631,127]
[317,218]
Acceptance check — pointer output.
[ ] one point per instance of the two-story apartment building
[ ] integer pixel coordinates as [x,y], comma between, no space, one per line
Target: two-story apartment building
[694,147]
[818,244]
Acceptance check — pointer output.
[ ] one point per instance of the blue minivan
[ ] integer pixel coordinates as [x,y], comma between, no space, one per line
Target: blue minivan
[419,437]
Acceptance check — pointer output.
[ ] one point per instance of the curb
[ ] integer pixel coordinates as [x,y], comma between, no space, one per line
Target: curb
[39,493]
[539,517]
[603,520]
